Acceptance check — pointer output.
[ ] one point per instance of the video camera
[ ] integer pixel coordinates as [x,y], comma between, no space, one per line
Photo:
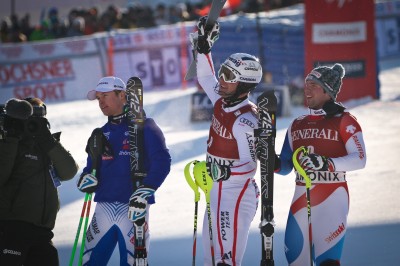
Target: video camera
[13,115]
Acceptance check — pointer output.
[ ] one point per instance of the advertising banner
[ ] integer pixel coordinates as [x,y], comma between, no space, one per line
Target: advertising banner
[388,28]
[66,69]
[154,55]
[53,71]
[343,31]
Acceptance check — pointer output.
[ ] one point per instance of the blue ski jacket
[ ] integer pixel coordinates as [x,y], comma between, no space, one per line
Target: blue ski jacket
[113,171]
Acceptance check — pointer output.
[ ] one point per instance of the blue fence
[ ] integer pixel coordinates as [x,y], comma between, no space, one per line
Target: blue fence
[280,36]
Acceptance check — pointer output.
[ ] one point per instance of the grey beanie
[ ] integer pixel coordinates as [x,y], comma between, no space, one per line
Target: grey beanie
[330,78]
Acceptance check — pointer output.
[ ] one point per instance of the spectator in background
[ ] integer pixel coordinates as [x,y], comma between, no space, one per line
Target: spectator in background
[5,29]
[114,15]
[132,18]
[91,21]
[42,32]
[146,18]
[174,14]
[182,12]
[108,19]
[77,27]
[161,15]
[136,16]
[56,26]
[15,34]
[125,22]
[26,27]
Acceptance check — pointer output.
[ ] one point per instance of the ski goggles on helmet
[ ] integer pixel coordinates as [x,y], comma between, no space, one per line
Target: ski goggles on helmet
[227,75]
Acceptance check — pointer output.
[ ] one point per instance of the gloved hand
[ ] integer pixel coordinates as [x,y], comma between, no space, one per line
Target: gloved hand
[218,172]
[87,183]
[100,143]
[206,37]
[315,162]
[138,203]
[38,127]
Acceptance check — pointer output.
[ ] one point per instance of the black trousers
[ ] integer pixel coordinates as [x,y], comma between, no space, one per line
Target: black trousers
[25,244]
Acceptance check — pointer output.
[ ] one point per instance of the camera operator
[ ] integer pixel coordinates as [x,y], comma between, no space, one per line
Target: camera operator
[33,163]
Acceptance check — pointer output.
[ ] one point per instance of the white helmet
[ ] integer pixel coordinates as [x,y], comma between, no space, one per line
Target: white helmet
[244,67]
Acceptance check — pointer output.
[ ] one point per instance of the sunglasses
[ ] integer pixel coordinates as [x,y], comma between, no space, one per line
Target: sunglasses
[227,75]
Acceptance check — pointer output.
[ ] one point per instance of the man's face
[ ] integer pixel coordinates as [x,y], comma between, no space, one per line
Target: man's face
[111,103]
[227,89]
[315,95]
[228,82]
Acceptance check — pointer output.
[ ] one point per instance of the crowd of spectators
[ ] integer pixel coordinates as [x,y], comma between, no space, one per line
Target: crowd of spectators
[81,22]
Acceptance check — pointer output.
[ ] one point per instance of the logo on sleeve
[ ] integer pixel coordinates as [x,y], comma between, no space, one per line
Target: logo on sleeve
[351,129]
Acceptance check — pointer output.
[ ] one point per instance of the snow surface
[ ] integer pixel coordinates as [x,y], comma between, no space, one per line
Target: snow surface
[373,236]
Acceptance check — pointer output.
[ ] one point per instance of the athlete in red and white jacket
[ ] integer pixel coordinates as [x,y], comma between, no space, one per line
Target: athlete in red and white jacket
[231,143]
[335,145]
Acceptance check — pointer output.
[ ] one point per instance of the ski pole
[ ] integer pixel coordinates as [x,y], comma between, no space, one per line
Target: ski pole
[205,182]
[95,146]
[85,227]
[71,260]
[307,179]
[192,183]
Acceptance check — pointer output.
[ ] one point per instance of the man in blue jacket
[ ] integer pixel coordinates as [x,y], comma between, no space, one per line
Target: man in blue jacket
[113,183]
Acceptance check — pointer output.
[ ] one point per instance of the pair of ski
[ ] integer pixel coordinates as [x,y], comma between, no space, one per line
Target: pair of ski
[136,120]
[265,147]
[265,134]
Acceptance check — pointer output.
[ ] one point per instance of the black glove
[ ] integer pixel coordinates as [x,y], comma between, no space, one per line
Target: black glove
[315,162]
[206,37]
[218,172]
[38,128]
[104,148]
[138,203]
[87,183]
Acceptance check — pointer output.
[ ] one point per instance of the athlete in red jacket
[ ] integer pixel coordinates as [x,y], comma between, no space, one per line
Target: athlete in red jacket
[335,145]
[231,143]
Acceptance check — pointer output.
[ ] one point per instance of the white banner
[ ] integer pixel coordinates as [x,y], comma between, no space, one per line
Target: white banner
[54,72]
[66,69]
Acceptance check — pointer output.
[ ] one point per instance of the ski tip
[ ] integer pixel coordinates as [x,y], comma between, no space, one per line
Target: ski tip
[133,80]
[268,94]
[192,71]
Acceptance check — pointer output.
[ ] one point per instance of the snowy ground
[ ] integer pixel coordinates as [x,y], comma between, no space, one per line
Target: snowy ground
[373,236]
